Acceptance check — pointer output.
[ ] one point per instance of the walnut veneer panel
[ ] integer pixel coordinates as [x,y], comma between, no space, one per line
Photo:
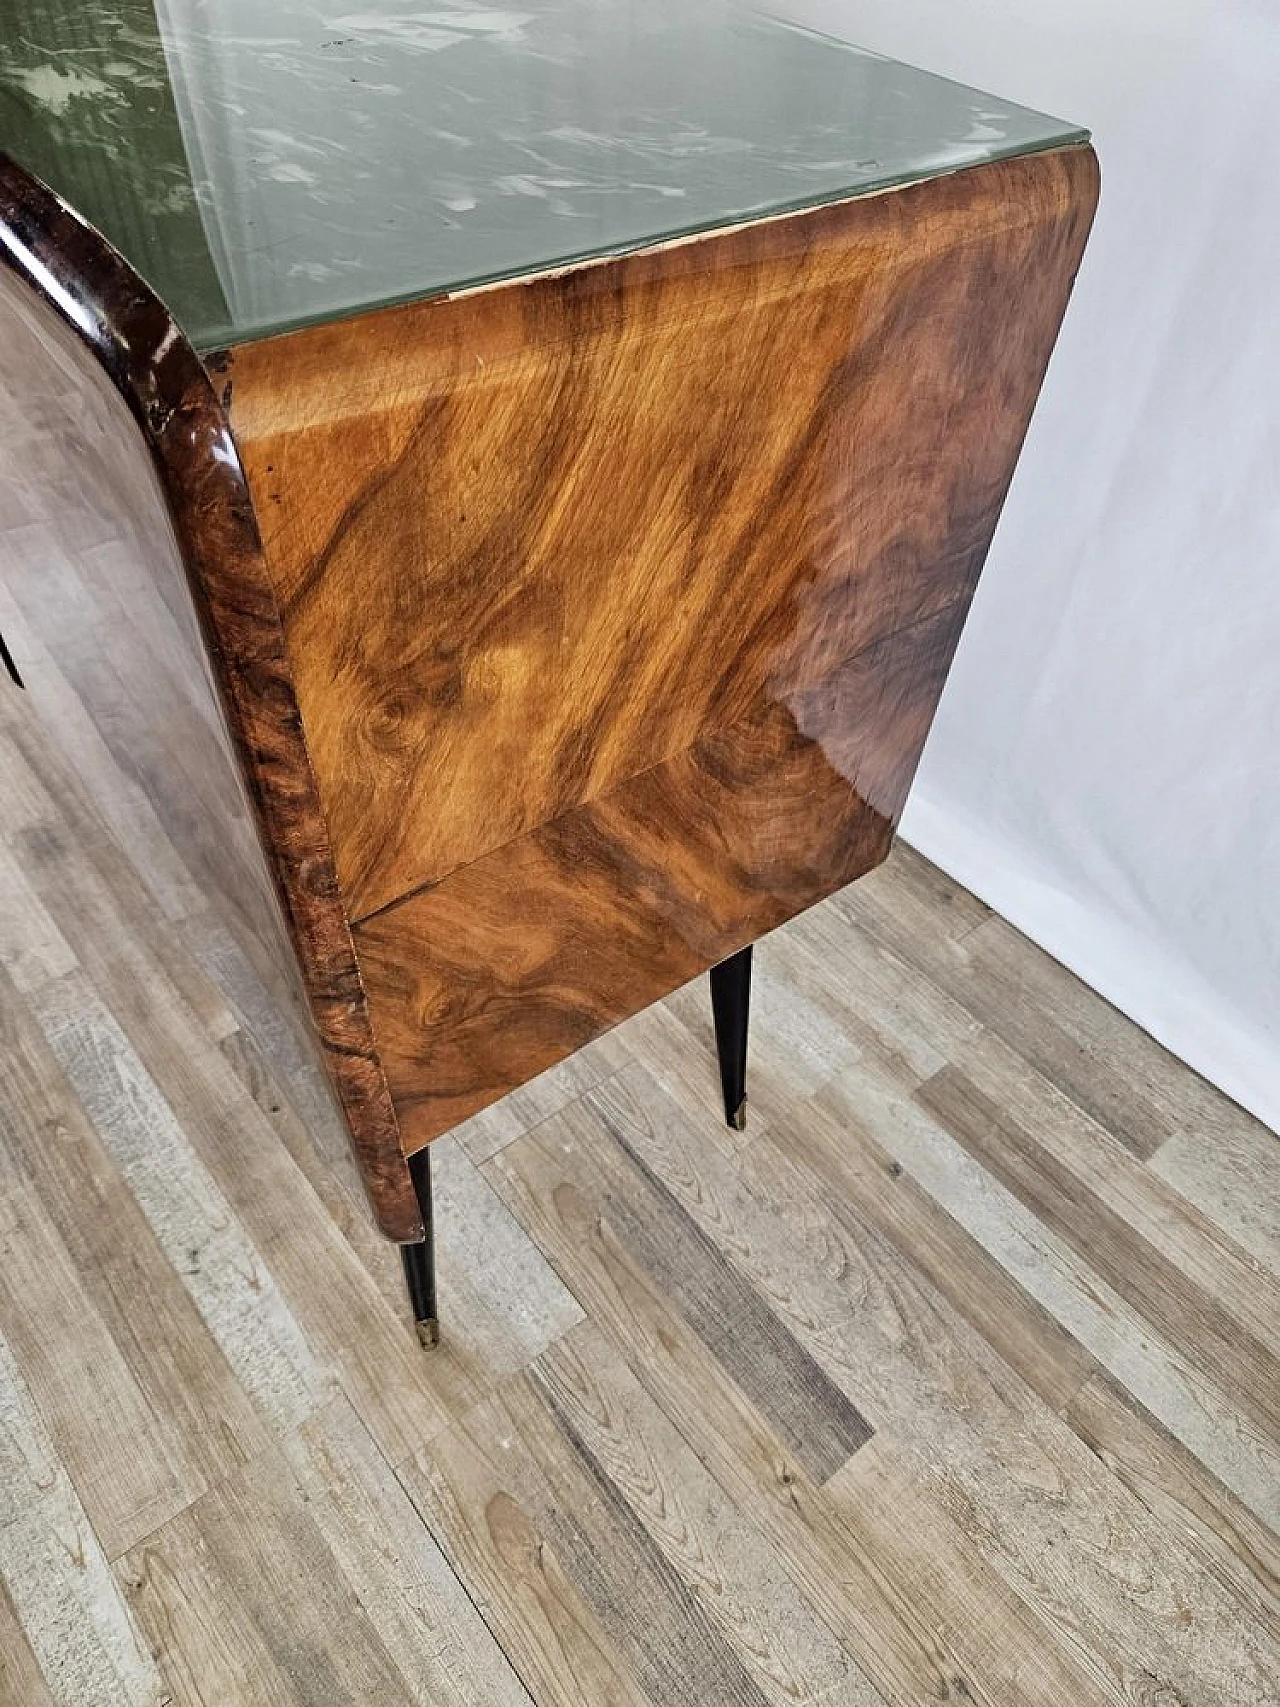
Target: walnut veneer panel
[154,651]
[619,602]
[532,541]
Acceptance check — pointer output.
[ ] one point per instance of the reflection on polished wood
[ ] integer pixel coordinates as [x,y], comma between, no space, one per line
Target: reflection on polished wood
[565,636]
[479,982]
[619,601]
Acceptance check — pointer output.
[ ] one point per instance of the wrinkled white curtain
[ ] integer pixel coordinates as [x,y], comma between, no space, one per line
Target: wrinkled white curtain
[1105,767]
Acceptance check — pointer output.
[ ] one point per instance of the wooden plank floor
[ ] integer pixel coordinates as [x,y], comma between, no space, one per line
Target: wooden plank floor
[956,1377]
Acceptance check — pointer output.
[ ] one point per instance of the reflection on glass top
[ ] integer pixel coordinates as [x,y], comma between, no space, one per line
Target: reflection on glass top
[270,163]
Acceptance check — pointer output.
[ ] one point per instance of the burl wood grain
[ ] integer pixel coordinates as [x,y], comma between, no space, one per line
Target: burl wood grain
[173,659]
[619,601]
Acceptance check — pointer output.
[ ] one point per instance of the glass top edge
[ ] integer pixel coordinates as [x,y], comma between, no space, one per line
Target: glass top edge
[211,344]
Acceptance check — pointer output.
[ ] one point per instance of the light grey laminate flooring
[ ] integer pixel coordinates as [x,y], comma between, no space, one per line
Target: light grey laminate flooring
[954,1378]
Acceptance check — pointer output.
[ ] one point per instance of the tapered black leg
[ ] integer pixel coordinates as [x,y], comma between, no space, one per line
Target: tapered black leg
[10,668]
[730,1003]
[420,1259]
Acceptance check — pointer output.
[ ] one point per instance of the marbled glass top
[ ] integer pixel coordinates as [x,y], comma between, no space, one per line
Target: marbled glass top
[270,163]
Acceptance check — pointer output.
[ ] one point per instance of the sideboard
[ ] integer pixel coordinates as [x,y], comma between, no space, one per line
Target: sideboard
[559,461]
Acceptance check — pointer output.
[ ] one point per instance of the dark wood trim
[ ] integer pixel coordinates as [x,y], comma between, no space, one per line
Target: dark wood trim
[128,331]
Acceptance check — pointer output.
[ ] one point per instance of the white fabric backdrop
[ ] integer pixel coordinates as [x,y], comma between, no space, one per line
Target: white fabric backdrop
[1105,767]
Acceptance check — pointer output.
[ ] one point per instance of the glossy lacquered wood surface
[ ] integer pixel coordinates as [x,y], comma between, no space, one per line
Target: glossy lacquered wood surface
[619,602]
[154,648]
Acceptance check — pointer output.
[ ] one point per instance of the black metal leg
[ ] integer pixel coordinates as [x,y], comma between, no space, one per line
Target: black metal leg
[420,1259]
[6,659]
[730,1003]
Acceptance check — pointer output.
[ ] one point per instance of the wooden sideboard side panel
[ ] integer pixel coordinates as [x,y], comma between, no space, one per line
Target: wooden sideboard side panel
[534,540]
[167,636]
[621,600]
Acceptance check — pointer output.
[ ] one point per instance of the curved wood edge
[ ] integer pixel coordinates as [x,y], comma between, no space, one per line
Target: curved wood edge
[129,332]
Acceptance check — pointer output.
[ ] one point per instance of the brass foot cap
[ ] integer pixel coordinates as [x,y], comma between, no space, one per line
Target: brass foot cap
[428,1332]
[739,1118]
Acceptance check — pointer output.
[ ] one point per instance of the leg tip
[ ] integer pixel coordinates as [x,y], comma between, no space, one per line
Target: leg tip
[428,1332]
[738,1119]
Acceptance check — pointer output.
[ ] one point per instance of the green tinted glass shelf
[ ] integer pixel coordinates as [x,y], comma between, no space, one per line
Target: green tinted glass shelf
[266,164]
